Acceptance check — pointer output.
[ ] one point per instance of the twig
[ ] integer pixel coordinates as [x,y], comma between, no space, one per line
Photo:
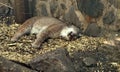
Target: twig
[6,5]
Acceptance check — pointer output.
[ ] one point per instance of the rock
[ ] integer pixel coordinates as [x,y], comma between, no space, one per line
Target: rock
[72,18]
[116,3]
[109,18]
[92,8]
[88,61]
[9,66]
[44,10]
[53,6]
[4,11]
[41,8]
[93,30]
[54,61]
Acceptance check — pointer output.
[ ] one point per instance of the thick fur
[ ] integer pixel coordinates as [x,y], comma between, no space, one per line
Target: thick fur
[45,27]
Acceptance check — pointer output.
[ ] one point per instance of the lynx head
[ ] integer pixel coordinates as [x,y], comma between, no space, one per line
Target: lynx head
[70,32]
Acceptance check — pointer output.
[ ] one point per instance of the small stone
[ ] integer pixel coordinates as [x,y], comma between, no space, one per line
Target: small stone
[88,61]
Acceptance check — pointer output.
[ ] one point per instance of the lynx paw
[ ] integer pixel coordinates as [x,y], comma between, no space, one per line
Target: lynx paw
[13,39]
[35,45]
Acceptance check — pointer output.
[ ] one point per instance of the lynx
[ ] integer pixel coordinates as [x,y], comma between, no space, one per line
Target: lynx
[46,27]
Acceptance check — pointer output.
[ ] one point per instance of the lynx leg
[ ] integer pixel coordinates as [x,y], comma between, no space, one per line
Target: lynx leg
[40,39]
[21,31]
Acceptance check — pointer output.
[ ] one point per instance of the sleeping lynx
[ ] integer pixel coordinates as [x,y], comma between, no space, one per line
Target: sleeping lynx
[46,27]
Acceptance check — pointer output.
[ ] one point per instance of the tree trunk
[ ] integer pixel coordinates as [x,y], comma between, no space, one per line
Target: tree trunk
[19,11]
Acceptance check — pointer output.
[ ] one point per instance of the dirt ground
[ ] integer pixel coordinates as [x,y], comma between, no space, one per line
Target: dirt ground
[104,49]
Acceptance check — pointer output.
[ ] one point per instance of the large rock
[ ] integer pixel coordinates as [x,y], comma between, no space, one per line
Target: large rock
[93,30]
[109,18]
[9,66]
[72,17]
[55,61]
[92,8]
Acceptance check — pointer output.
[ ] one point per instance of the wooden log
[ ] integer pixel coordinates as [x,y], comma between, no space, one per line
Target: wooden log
[19,10]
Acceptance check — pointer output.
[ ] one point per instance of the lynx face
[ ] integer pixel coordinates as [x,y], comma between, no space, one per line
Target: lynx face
[70,33]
